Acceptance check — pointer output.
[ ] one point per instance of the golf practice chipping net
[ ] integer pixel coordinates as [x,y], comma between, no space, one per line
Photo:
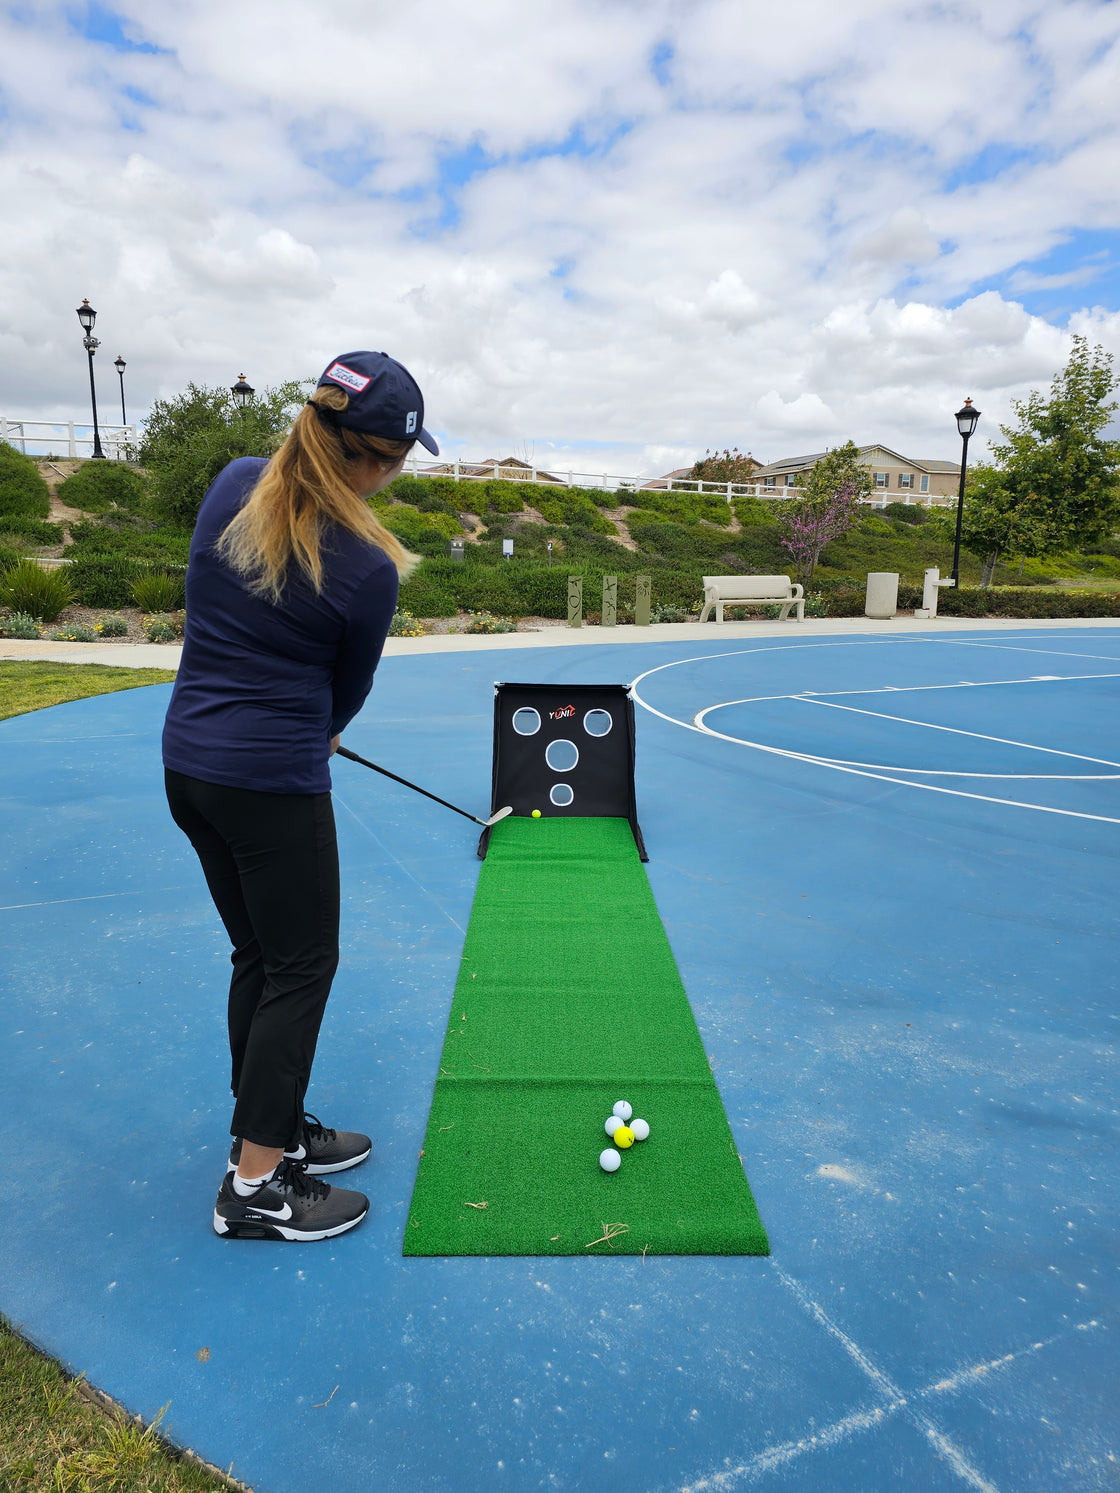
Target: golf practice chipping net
[568,1000]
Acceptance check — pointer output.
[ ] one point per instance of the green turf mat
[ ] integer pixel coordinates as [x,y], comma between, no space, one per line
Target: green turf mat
[568,999]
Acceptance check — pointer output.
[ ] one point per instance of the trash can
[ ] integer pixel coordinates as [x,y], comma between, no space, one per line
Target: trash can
[882,594]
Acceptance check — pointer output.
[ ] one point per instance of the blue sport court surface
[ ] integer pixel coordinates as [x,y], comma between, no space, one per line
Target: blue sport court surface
[887,867]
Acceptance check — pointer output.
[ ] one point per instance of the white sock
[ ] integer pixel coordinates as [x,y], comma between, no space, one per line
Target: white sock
[246,1186]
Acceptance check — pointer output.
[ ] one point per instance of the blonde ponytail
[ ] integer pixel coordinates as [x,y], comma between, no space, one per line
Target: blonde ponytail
[301,492]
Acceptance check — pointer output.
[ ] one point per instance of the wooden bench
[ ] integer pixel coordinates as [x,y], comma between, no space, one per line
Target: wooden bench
[752,591]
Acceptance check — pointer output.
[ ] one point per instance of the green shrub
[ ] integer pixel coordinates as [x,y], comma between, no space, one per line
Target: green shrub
[422,533]
[19,625]
[158,592]
[161,630]
[98,486]
[753,511]
[907,513]
[8,557]
[111,627]
[74,632]
[27,587]
[816,605]
[121,534]
[22,490]
[35,530]
[104,580]
[668,613]
[686,507]
[404,625]
[487,622]
[566,506]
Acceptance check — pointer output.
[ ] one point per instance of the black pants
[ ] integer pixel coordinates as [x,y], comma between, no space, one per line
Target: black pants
[271,863]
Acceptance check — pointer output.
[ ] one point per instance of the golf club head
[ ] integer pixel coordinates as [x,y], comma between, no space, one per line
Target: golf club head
[501,814]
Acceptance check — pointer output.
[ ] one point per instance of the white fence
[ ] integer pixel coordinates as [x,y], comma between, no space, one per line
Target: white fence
[67,438]
[476,471]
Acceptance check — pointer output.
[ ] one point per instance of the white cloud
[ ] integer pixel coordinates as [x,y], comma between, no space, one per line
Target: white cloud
[786,244]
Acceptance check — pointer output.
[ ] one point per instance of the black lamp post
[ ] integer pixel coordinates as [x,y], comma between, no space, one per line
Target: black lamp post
[242,392]
[120,365]
[87,316]
[966,418]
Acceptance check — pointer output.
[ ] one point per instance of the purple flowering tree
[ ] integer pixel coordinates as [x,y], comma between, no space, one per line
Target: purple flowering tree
[811,524]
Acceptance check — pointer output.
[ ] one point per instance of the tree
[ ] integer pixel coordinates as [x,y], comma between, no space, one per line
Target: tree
[189,439]
[813,522]
[839,468]
[995,523]
[1055,476]
[724,466]
[834,490]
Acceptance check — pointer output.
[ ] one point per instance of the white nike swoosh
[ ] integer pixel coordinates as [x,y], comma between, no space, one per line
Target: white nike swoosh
[299,1155]
[281,1213]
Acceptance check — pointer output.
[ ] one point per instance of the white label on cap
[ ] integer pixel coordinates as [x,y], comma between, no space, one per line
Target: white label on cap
[410,422]
[347,377]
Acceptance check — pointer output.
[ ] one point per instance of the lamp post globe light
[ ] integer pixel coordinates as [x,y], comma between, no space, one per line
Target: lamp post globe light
[242,392]
[120,365]
[966,418]
[87,316]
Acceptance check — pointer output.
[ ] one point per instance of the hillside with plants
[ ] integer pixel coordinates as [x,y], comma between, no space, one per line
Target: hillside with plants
[1040,523]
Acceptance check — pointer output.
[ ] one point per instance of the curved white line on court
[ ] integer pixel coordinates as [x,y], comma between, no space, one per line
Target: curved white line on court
[933,772]
[758,746]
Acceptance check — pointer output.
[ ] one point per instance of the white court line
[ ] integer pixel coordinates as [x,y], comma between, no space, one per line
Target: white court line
[957,731]
[1055,652]
[914,689]
[386,851]
[932,772]
[783,1453]
[97,897]
[1011,803]
[895,1400]
[759,746]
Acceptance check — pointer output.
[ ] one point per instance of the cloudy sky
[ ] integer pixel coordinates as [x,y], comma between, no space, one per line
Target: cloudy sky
[602,233]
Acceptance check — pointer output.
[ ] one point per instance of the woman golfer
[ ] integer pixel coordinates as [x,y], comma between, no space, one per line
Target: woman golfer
[291,587]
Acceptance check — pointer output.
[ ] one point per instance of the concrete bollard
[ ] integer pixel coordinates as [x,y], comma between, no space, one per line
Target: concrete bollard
[882,594]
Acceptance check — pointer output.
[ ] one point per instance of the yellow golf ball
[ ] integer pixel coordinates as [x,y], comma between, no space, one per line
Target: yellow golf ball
[536,813]
[623,1137]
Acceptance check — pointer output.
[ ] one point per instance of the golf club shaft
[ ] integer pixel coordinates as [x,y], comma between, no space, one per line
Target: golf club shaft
[384,771]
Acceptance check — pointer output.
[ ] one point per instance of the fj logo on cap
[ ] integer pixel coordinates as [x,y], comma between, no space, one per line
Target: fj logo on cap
[340,374]
[410,422]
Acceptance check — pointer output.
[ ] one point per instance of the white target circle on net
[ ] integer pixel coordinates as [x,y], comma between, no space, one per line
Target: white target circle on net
[561,795]
[598,722]
[526,721]
[561,755]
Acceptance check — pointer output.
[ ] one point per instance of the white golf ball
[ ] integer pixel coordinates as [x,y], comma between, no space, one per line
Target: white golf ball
[623,1110]
[610,1160]
[640,1129]
[613,1122]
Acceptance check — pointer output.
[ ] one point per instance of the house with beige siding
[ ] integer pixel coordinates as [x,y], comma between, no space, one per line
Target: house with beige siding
[897,478]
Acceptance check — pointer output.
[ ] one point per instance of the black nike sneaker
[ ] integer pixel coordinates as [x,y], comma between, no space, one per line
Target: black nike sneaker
[323,1150]
[291,1205]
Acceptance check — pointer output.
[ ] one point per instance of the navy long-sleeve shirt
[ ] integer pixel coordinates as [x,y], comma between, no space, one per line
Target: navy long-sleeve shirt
[261,689]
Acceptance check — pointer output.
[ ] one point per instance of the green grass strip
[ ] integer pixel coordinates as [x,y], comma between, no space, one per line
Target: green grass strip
[569,999]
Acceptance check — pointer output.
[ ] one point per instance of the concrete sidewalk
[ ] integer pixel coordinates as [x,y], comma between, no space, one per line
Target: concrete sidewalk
[166,656]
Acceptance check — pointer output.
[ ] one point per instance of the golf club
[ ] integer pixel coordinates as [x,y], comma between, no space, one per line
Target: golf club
[384,771]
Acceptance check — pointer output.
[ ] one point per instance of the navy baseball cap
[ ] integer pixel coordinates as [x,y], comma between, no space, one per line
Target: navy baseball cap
[385,399]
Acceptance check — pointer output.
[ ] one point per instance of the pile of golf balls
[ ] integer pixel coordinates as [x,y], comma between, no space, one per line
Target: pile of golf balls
[624,1131]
